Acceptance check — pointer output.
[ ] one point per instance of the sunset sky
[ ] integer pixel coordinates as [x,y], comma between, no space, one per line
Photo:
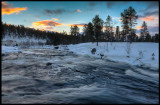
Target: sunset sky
[60,15]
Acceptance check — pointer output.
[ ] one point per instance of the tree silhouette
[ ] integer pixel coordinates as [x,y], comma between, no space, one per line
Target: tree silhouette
[128,19]
[97,26]
[109,28]
[117,37]
[144,32]
[74,30]
[88,30]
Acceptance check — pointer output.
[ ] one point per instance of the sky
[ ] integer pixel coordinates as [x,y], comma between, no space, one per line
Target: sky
[59,16]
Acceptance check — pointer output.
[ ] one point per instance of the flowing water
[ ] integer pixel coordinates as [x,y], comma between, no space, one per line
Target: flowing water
[48,76]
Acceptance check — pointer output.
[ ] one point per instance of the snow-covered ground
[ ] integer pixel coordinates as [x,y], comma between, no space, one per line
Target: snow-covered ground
[9,49]
[74,79]
[117,52]
[22,42]
[140,52]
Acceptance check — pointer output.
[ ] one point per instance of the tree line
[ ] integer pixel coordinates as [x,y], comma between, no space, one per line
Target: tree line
[52,38]
[92,32]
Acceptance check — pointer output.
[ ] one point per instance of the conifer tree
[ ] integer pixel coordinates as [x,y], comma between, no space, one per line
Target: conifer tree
[117,33]
[109,28]
[97,26]
[128,19]
[89,33]
[144,32]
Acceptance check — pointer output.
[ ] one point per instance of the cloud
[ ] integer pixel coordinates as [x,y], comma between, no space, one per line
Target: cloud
[154,12]
[49,27]
[60,11]
[139,27]
[152,29]
[55,12]
[91,3]
[138,34]
[48,11]
[51,30]
[78,10]
[43,28]
[151,5]
[46,23]
[8,9]
[149,18]
[55,19]
[111,4]
[79,25]
[151,12]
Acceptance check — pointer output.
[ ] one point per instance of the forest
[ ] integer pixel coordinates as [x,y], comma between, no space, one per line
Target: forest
[92,32]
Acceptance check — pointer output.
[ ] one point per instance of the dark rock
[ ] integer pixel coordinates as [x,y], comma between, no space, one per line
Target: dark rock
[3,54]
[56,47]
[101,55]
[19,51]
[48,64]
[93,50]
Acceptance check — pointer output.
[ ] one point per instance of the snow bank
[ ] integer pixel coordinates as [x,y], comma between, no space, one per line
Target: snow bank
[23,41]
[117,52]
[9,49]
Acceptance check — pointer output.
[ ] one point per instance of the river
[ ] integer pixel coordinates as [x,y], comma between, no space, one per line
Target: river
[47,76]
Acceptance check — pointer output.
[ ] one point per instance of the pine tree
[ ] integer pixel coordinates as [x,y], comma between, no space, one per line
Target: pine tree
[156,37]
[72,30]
[76,30]
[97,26]
[144,32]
[128,18]
[117,33]
[89,33]
[148,37]
[85,29]
[109,28]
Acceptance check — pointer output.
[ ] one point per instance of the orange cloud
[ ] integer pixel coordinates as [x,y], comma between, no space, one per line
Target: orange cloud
[55,19]
[78,10]
[58,31]
[8,9]
[79,25]
[149,18]
[138,34]
[46,23]
[41,29]
[139,27]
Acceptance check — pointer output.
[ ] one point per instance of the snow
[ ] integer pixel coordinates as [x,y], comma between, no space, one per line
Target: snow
[23,41]
[117,52]
[9,49]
